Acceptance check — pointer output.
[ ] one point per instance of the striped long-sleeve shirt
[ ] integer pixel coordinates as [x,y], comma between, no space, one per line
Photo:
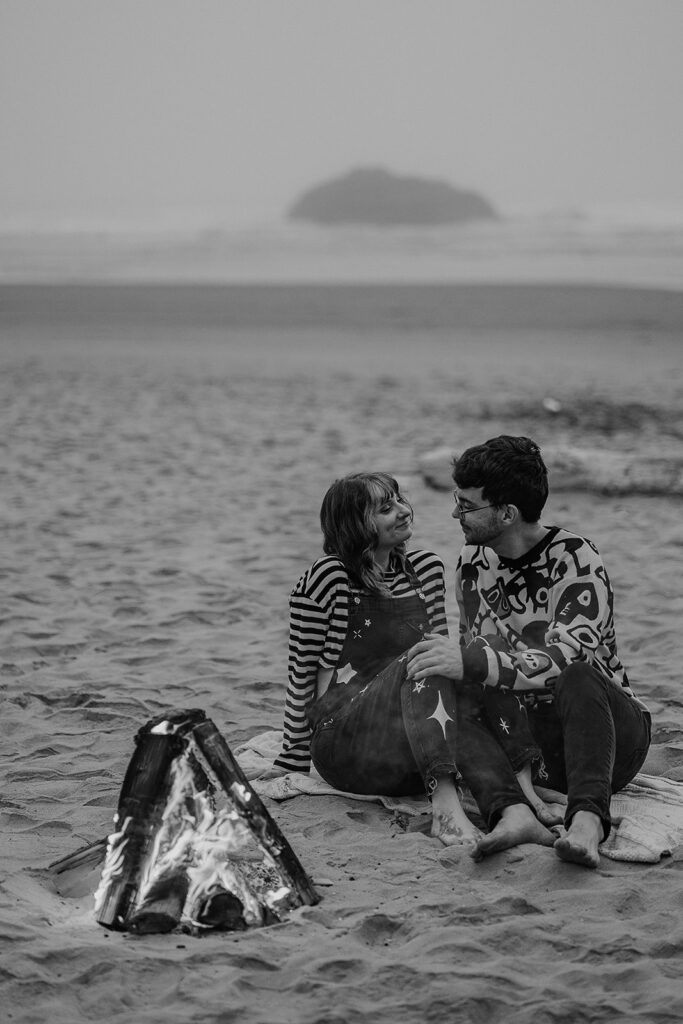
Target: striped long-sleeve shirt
[319,616]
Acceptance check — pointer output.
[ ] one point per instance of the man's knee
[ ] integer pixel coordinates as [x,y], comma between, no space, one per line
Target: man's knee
[579,678]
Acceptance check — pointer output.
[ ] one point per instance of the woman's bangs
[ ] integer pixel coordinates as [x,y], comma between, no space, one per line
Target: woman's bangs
[380,492]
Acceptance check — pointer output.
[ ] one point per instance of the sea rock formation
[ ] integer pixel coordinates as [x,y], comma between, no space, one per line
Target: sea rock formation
[374,196]
[600,471]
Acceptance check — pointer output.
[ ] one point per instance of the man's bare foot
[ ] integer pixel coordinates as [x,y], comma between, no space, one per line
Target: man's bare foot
[453,831]
[580,844]
[518,824]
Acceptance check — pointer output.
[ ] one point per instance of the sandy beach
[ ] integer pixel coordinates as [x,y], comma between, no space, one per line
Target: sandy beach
[165,452]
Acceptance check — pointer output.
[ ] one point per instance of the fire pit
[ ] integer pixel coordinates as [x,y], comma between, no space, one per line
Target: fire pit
[194,847]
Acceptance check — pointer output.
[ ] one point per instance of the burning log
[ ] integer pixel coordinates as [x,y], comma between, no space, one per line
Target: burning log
[231,777]
[163,905]
[142,802]
[222,910]
[179,859]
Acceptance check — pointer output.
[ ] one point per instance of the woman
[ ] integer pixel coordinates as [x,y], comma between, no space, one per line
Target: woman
[353,614]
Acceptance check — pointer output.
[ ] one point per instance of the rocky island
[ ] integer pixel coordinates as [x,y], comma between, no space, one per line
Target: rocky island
[374,196]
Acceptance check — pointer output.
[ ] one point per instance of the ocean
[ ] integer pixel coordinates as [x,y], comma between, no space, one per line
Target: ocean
[640,248]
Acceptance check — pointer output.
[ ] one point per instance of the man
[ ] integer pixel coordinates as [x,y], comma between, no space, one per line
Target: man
[536,622]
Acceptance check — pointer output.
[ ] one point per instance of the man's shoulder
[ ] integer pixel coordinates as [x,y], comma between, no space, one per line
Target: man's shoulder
[476,554]
[558,545]
[560,538]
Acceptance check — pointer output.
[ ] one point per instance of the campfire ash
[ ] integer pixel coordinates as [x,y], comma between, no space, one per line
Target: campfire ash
[195,847]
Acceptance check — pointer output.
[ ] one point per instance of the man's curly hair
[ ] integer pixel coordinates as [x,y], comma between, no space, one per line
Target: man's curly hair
[509,470]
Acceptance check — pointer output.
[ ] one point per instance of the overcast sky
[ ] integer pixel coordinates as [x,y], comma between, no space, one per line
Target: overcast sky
[228,109]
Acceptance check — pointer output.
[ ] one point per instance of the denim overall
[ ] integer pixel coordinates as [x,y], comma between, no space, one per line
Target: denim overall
[374,730]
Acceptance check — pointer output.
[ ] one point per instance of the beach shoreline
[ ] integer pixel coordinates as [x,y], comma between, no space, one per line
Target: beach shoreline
[397,306]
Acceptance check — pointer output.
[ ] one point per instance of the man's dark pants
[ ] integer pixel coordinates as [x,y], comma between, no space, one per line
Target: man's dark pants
[594,738]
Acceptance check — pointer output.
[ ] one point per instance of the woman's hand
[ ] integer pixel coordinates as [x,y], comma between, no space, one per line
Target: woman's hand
[436,655]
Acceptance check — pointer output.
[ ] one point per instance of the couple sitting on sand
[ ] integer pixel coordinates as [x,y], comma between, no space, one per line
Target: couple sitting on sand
[531,693]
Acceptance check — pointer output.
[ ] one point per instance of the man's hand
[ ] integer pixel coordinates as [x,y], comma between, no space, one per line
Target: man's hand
[436,655]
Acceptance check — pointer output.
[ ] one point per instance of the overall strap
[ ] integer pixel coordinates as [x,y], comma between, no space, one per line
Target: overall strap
[414,579]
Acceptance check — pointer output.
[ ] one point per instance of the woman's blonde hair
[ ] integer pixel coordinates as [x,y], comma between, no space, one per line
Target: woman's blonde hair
[349,531]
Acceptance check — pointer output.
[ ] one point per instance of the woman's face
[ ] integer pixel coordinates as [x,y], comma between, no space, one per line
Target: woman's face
[393,519]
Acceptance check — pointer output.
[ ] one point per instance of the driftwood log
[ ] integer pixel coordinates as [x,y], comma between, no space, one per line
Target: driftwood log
[597,470]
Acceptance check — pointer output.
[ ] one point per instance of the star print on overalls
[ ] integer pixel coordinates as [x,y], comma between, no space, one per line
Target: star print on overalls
[504,725]
[419,686]
[441,715]
[345,673]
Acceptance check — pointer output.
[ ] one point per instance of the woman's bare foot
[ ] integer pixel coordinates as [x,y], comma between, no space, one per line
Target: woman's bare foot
[453,832]
[547,814]
[518,824]
[580,844]
[450,824]
[551,796]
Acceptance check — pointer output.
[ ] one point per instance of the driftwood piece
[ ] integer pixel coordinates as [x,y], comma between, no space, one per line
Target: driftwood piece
[599,471]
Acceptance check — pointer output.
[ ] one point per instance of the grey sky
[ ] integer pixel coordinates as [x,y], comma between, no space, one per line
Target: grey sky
[229,108]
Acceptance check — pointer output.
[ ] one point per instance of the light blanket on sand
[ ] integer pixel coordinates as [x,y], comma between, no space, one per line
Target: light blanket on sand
[647,815]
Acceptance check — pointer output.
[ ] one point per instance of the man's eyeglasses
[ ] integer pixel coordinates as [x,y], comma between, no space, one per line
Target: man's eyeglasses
[466,511]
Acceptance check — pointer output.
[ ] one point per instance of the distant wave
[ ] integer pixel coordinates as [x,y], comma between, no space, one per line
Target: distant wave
[637,247]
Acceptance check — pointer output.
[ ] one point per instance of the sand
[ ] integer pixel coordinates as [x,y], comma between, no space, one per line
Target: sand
[161,486]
